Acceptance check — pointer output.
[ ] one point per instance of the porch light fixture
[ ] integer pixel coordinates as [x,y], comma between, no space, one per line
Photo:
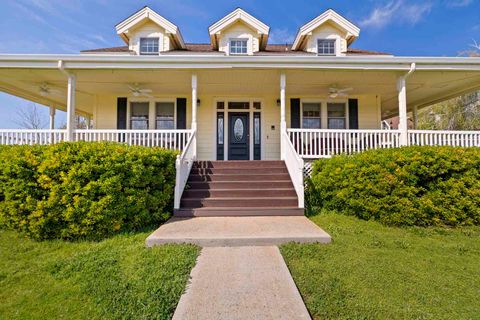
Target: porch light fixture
[198,102]
[278,102]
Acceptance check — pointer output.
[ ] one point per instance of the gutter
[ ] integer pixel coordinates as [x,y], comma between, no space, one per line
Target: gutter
[102,61]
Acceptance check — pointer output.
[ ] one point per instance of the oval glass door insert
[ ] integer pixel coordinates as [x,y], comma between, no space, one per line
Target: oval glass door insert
[238,129]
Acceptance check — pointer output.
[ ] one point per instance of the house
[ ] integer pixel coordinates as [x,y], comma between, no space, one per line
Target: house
[239,97]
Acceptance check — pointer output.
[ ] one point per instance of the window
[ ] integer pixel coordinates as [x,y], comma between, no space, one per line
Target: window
[336,115]
[326,47]
[139,115]
[238,46]
[311,115]
[239,105]
[165,115]
[149,46]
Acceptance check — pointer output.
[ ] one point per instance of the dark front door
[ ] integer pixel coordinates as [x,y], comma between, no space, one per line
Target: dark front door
[238,136]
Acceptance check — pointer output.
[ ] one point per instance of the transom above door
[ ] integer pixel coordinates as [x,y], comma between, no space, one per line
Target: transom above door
[239,132]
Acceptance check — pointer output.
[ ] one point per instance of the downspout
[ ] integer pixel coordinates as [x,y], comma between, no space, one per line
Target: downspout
[72,80]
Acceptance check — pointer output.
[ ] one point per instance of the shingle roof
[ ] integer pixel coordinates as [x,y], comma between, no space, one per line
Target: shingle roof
[271,49]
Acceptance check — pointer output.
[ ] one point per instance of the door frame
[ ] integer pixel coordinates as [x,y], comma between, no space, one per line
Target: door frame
[239,113]
[251,112]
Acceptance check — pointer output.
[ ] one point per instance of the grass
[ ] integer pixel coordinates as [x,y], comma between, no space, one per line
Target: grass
[375,272]
[114,279]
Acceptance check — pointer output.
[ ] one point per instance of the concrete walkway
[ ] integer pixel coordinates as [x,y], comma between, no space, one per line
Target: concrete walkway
[240,273]
[241,283]
[238,231]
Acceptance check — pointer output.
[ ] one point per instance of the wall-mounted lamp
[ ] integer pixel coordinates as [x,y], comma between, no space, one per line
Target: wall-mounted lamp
[198,102]
[278,102]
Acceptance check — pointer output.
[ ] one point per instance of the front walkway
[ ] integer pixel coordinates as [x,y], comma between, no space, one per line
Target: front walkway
[241,283]
[240,273]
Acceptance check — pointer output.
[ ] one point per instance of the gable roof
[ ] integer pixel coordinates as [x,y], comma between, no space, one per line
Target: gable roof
[148,14]
[328,16]
[239,15]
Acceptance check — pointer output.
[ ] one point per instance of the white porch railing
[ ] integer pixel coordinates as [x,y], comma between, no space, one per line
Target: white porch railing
[168,139]
[295,167]
[33,136]
[324,143]
[183,166]
[444,138]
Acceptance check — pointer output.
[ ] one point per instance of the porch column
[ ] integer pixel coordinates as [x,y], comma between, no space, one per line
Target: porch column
[72,82]
[283,122]
[415,118]
[52,117]
[402,110]
[194,102]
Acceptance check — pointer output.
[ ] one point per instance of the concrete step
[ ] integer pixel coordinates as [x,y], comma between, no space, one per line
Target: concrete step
[239,177]
[238,231]
[214,185]
[270,202]
[237,171]
[239,164]
[239,193]
[238,212]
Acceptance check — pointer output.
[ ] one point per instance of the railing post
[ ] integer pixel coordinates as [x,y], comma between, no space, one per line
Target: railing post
[178,177]
[283,122]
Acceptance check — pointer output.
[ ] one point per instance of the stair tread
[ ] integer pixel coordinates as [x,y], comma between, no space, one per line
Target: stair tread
[241,208]
[243,198]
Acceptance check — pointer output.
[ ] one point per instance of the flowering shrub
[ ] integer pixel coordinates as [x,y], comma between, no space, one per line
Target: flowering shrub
[87,190]
[419,186]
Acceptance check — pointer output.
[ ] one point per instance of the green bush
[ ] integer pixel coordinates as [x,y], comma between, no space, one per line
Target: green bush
[84,190]
[411,186]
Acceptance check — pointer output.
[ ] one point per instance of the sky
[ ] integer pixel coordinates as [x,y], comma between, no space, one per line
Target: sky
[400,27]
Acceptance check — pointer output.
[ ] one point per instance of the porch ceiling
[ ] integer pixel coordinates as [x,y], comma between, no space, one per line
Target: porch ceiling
[424,87]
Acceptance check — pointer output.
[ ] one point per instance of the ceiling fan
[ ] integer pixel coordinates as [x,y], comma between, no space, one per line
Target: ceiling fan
[138,91]
[335,91]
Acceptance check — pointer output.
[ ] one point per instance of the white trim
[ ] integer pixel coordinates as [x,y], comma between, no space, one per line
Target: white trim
[330,15]
[151,110]
[234,16]
[147,13]
[251,110]
[324,111]
[29,61]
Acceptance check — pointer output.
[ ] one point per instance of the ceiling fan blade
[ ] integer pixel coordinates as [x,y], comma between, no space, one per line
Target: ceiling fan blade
[344,90]
[334,95]
[145,90]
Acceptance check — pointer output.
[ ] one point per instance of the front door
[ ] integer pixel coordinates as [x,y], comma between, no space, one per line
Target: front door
[238,136]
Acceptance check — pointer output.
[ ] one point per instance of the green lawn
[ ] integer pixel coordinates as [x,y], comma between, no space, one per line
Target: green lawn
[375,272]
[114,279]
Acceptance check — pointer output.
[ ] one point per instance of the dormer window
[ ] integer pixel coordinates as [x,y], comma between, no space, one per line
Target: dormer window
[238,46]
[326,47]
[149,46]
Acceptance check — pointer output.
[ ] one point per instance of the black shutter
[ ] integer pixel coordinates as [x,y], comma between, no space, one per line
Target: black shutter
[295,113]
[121,113]
[181,113]
[353,113]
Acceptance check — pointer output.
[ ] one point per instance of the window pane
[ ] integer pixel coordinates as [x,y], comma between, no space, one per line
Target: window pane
[336,123]
[256,134]
[336,110]
[326,46]
[220,129]
[149,46]
[311,115]
[239,105]
[337,115]
[238,46]
[139,115]
[165,115]
[220,105]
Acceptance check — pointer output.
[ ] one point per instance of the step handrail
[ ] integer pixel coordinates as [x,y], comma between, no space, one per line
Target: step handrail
[183,166]
[295,165]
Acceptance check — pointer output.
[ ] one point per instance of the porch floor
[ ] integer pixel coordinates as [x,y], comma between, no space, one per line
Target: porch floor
[238,231]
